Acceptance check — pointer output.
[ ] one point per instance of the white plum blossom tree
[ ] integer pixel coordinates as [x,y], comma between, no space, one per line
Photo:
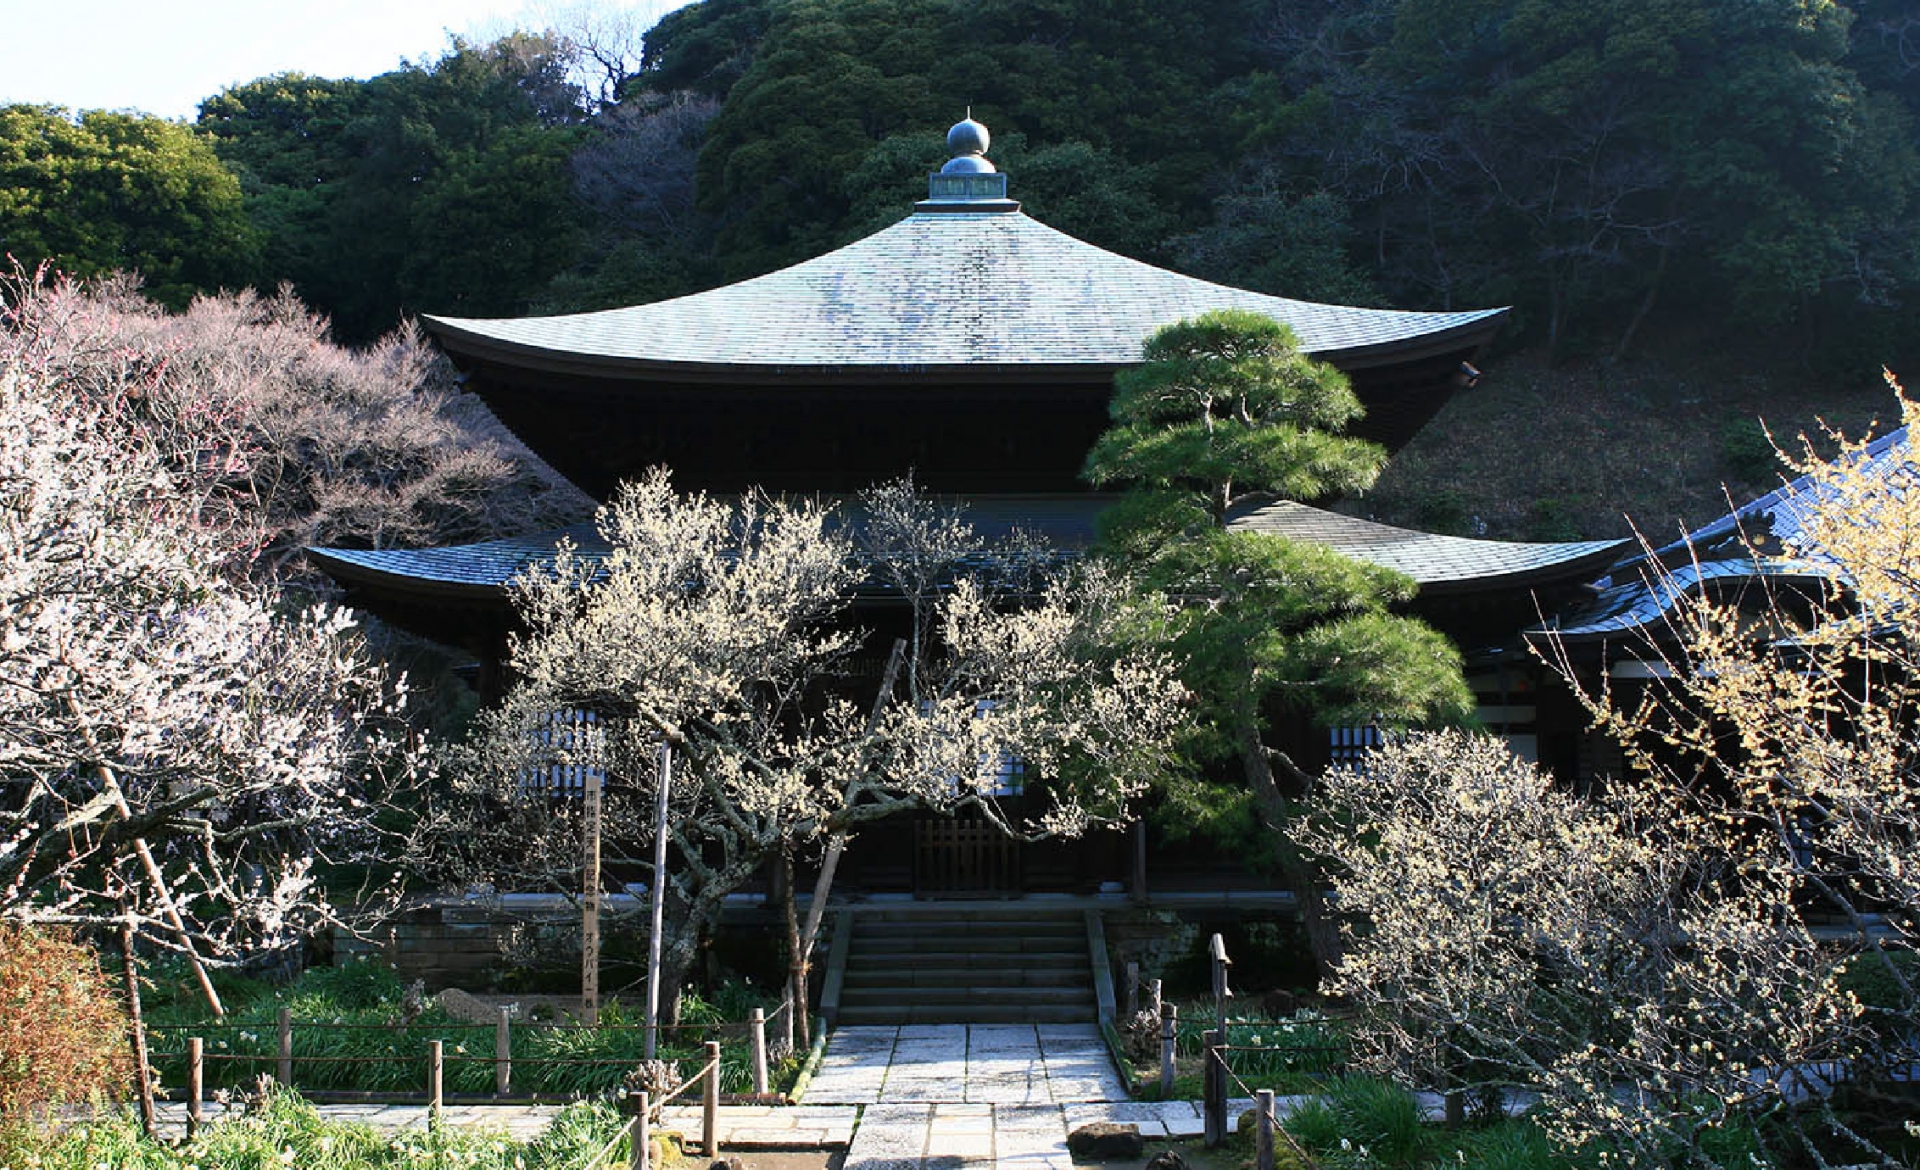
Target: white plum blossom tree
[725,628]
[1671,961]
[181,755]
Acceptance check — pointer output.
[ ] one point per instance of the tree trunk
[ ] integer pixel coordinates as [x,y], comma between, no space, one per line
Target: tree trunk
[796,962]
[1323,934]
[1646,305]
[143,1076]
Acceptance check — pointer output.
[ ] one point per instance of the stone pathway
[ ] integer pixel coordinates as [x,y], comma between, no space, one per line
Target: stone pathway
[920,1097]
[944,1097]
[977,1064]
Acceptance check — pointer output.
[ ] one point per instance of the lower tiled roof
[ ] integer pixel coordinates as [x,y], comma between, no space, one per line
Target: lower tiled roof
[1437,562]
[1065,523]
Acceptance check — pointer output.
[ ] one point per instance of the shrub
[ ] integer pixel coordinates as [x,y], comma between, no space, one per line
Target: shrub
[62,1028]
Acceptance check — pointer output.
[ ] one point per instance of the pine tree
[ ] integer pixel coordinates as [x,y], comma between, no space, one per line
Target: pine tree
[1226,413]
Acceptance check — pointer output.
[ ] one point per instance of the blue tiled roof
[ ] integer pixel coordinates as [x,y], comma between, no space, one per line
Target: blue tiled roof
[940,290]
[1639,605]
[1638,593]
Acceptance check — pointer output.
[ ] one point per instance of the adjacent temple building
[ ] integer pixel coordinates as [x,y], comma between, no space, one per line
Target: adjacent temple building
[975,347]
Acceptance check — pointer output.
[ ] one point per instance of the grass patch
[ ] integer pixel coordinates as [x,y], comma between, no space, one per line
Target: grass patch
[287,1131]
[357,1029]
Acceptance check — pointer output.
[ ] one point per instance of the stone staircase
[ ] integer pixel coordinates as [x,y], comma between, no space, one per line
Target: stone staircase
[992,964]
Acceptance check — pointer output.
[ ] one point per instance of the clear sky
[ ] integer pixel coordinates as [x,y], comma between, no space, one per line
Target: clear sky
[164,56]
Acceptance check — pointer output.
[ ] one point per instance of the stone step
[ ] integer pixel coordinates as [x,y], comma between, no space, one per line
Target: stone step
[985,912]
[967,996]
[922,976]
[946,952]
[975,942]
[971,1014]
[990,963]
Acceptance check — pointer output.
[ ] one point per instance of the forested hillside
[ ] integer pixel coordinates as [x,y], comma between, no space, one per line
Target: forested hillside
[1701,210]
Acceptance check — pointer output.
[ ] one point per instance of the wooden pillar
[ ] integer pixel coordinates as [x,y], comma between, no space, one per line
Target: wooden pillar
[1217,952]
[759,1050]
[436,1081]
[659,891]
[1263,1130]
[1169,1033]
[284,1070]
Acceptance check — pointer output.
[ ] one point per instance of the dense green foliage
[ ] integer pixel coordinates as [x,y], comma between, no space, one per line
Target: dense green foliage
[442,187]
[1612,169]
[107,190]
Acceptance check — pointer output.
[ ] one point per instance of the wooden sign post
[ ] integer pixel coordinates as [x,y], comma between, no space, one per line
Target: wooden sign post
[590,905]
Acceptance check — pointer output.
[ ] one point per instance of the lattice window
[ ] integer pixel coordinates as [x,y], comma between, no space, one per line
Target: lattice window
[571,743]
[1347,747]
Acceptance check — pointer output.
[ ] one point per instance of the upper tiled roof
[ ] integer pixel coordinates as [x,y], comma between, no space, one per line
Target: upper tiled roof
[1067,523]
[941,290]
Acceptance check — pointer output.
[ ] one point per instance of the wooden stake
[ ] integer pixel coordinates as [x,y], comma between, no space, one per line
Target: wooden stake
[1217,951]
[1213,1106]
[710,1104]
[502,1055]
[639,1133]
[436,1081]
[1263,1130]
[196,1084]
[1169,1032]
[285,1068]
[759,1024]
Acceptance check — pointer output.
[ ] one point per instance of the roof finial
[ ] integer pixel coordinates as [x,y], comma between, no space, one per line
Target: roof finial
[968,141]
[968,181]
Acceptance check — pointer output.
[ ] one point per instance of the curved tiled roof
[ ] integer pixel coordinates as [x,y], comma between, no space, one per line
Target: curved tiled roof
[1437,563]
[941,290]
[1763,540]
[1639,607]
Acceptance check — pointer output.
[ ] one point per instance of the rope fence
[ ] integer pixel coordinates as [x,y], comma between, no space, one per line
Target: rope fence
[644,1109]
[441,1050]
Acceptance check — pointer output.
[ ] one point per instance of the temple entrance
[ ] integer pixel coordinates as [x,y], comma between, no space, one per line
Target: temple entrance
[963,857]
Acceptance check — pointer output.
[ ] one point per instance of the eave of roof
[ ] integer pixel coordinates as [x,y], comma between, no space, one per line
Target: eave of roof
[941,296]
[1439,564]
